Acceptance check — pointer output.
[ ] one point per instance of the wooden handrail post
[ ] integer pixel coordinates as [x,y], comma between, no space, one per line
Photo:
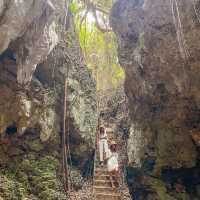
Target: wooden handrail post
[64,148]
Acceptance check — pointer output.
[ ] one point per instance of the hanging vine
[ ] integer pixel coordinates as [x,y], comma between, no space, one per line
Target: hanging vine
[179,30]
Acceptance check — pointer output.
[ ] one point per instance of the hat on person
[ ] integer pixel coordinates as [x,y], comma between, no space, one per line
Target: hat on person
[113,143]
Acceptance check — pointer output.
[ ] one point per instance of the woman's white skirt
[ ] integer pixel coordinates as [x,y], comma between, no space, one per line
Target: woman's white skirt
[112,164]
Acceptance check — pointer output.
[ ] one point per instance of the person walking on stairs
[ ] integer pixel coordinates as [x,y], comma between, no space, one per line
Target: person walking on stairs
[103,145]
[112,164]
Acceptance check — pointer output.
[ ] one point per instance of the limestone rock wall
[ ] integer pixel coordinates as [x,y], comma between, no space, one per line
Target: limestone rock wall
[66,62]
[31,112]
[33,23]
[159,50]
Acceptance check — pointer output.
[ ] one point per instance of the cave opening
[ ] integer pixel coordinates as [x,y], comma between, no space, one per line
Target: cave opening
[8,54]
[11,129]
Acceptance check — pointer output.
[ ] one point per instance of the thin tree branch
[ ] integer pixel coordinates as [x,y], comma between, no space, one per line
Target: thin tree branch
[90,6]
[102,29]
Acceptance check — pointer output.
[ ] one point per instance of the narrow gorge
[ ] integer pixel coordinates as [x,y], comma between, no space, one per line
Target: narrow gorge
[131,66]
[40,33]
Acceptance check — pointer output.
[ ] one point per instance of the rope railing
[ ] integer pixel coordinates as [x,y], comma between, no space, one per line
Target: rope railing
[95,145]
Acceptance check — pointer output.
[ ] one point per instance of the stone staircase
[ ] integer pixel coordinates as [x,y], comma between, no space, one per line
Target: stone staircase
[102,188]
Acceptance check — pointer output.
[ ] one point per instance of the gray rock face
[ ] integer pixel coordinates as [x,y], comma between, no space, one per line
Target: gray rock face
[161,86]
[136,144]
[31,119]
[66,62]
[159,50]
[33,23]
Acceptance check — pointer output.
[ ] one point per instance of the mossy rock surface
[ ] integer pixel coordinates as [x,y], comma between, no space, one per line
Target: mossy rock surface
[160,188]
[33,176]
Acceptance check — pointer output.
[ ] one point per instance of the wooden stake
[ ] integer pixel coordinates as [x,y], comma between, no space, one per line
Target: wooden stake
[64,142]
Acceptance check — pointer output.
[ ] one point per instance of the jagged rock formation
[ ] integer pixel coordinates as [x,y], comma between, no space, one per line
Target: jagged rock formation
[81,93]
[31,118]
[159,50]
[33,24]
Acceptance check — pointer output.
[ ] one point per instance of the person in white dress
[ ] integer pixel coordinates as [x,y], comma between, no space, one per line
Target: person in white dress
[103,145]
[112,163]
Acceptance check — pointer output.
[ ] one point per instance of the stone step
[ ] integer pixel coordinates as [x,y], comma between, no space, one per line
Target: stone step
[102,177]
[104,183]
[101,172]
[107,196]
[100,189]
[102,169]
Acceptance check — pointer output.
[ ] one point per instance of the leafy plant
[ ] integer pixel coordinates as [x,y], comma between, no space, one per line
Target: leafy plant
[73,7]
[99,47]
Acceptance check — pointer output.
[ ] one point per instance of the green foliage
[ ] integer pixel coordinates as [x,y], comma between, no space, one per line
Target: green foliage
[101,56]
[73,7]
[99,49]
[107,4]
[31,174]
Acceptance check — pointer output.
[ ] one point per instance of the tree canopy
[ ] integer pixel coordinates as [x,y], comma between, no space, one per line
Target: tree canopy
[97,41]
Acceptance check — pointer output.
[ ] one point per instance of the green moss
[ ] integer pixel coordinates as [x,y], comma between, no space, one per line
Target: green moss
[160,188]
[51,195]
[11,189]
[35,145]
[33,175]
[173,149]
[183,196]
